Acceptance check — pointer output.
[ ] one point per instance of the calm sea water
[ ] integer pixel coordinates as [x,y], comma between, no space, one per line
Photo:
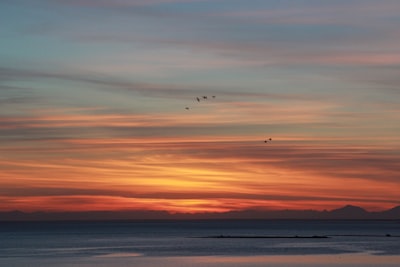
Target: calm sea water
[186,243]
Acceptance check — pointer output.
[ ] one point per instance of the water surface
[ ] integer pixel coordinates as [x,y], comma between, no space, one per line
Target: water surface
[182,243]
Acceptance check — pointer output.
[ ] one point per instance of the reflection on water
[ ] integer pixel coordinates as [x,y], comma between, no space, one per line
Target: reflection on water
[359,259]
[180,243]
[135,260]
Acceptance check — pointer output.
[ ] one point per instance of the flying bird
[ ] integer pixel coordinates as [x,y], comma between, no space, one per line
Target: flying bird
[187,108]
[205,97]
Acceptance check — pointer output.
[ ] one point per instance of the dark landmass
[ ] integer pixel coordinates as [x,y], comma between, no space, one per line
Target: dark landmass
[264,236]
[348,212]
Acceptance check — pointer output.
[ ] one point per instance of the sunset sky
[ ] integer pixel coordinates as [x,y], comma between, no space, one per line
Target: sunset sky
[93,97]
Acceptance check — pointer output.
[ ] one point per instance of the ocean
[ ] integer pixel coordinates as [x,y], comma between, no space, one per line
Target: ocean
[200,243]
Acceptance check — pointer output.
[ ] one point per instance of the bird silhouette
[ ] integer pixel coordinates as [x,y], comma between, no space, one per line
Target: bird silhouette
[205,97]
[187,108]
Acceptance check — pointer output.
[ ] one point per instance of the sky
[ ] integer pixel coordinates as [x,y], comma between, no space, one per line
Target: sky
[98,106]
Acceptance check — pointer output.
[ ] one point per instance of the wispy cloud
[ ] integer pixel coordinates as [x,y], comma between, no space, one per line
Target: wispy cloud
[238,169]
[123,3]
[100,105]
[351,13]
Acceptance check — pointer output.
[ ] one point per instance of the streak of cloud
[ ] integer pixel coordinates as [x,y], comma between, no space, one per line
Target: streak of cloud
[98,104]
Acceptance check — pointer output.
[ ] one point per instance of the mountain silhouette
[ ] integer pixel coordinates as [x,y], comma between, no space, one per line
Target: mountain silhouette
[391,213]
[348,212]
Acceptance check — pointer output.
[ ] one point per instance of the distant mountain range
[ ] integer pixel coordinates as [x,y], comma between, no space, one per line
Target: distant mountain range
[348,212]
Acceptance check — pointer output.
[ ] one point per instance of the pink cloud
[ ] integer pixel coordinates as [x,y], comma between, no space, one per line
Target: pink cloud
[356,13]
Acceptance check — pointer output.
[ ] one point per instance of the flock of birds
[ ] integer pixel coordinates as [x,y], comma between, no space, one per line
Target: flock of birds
[204,97]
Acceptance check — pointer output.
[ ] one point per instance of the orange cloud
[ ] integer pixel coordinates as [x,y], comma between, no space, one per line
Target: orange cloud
[196,176]
[211,158]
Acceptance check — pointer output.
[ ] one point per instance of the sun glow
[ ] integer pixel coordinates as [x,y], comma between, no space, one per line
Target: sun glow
[188,114]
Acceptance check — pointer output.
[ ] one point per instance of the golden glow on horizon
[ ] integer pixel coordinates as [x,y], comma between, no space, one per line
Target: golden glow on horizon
[162,178]
[108,117]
